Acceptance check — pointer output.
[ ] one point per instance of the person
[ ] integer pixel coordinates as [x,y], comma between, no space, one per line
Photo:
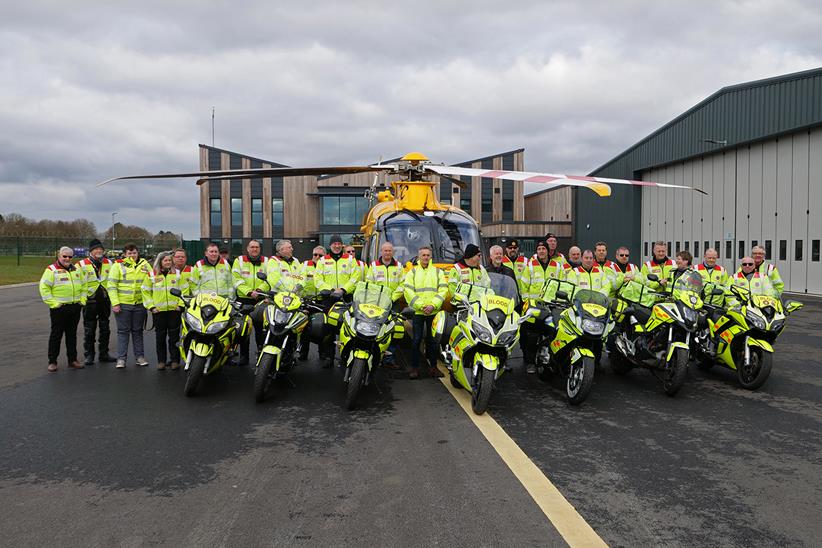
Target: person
[767,269]
[387,272]
[518,261]
[246,283]
[747,278]
[283,263]
[181,267]
[682,260]
[606,265]
[307,271]
[351,251]
[574,257]
[468,270]
[501,264]
[532,285]
[124,288]
[336,275]
[212,274]
[624,270]
[425,290]
[63,289]
[659,265]
[97,310]
[714,274]
[225,255]
[589,275]
[165,308]
[553,253]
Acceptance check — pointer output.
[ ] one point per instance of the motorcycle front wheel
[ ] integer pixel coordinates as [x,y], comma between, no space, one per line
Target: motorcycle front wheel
[580,380]
[263,377]
[481,394]
[355,382]
[195,372]
[754,375]
[675,371]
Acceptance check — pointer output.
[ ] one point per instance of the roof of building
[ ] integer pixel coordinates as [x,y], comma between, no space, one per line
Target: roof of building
[732,116]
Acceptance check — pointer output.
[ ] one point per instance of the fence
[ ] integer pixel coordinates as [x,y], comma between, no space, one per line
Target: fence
[24,246]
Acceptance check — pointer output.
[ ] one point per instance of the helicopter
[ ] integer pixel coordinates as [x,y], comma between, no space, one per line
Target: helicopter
[408,214]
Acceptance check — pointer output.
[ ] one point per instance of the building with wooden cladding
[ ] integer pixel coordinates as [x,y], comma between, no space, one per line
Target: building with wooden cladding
[308,210]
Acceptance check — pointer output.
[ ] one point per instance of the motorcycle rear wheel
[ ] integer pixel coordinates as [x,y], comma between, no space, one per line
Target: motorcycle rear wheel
[674,375]
[757,372]
[481,394]
[579,382]
[263,377]
[195,372]
[355,382]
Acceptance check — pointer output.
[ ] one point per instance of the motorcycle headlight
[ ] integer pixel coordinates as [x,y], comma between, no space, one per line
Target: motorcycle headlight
[368,329]
[193,322]
[777,325]
[592,327]
[506,337]
[281,316]
[482,333]
[216,327]
[755,320]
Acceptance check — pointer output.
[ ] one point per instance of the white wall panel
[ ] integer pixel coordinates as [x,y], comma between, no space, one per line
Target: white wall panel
[698,200]
[646,219]
[769,166]
[743,202]
[815,205]
[688,203]
[728,210]
[755,191]
[676,218]
[782,201]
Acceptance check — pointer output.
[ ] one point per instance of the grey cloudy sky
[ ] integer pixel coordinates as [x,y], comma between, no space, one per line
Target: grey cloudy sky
[91,90]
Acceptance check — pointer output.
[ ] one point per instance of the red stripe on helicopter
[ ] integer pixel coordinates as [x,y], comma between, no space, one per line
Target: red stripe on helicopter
[540,179]
[494,174]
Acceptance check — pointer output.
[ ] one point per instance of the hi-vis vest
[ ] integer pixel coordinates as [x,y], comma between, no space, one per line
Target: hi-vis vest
[330,273]
[425,286]
[769,270]
[461,272]
[389,276]
[212,279]
[244,273]
[535,276]
[125,281]
[716,275]
[609,269]
[307,271]
[92,279]
[59,286]
[619,279]
[661,270]
[596,279]
[157,288]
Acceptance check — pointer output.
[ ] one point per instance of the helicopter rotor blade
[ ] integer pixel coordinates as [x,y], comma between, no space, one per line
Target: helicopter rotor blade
[600,185]
[255,173]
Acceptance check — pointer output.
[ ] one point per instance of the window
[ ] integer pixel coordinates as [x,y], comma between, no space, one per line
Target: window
[487,200]
[507,200]
[236,248]
[216,214]
[741,249]
[783,250]
[277,211]
[645,249]
[465,194]
[706,246]
[696,249]
[797,255]
[677,246]
[754,243]
[256,212]
[343,210]
[768,247]
[717,248]
[687,245]
[237,212]
[815,251]
[348,210]
[729,247]
[330,210]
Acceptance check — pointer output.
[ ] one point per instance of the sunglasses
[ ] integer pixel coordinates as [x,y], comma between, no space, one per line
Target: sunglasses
[624,255]
[318,254]
[512,246]
[67,256]
[747,264]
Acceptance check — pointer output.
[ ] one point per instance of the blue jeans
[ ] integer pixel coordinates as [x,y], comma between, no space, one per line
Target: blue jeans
[422,329]
[130,323]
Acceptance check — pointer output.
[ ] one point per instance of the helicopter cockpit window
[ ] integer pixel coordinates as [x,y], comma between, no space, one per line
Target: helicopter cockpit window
[452,234]
[408,235]
[447,234]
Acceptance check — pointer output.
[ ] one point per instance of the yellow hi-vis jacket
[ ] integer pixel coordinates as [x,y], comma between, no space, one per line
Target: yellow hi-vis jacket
[59,286]
[93,279]
[389,276]
[307,271]
[424,286]
[244,272]
[331,273]
[621,272]
[208,278]
[125,280]
[717,276]
[461,272]
[277,268]
[595,279]
[535,275]
[157,288]
[662,270]
[770,270]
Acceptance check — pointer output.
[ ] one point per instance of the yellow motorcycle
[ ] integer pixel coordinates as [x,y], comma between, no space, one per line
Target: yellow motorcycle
[211,328]
[742,337]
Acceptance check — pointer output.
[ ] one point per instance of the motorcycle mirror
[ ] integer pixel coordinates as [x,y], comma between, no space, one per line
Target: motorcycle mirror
[176,292]
[262,275]
[791,306]
[653,277]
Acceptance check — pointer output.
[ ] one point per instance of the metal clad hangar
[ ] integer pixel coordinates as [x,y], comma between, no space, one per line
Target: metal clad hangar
[756,149]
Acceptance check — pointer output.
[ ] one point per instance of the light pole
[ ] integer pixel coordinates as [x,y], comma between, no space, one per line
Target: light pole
[113,213]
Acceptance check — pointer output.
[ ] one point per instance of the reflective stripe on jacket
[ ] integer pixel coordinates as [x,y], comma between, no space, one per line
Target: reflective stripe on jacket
[156,289]
[770,270]
[425,286]
[534,277]
[92,278]
[389,276]
[716,275]
[125,281]
[662,270]
[595,279]
[206,278]
[461,272]
[244,274]
[59,286]
[331,273]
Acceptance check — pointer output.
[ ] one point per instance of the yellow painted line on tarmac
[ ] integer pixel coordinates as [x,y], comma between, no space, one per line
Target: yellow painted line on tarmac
[562,515]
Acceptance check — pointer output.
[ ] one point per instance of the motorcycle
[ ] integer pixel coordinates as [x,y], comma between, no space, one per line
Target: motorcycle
[211,329]
[367,327]
[741,337]
[481,334]
[573,334]
[658,337]
[285,316]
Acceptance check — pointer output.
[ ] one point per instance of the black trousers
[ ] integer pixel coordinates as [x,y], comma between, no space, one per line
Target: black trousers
[167,335]
[257,323]
[421,325]
[64,321]
[528,337]
[96,316]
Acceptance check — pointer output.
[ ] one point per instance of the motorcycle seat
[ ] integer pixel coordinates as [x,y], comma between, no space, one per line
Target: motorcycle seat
[641,313]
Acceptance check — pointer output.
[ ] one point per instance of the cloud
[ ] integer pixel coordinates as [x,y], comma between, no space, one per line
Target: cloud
[106,89]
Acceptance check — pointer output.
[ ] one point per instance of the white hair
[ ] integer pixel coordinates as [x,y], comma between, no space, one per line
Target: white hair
[493,247]
[65,249]
[281,244]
